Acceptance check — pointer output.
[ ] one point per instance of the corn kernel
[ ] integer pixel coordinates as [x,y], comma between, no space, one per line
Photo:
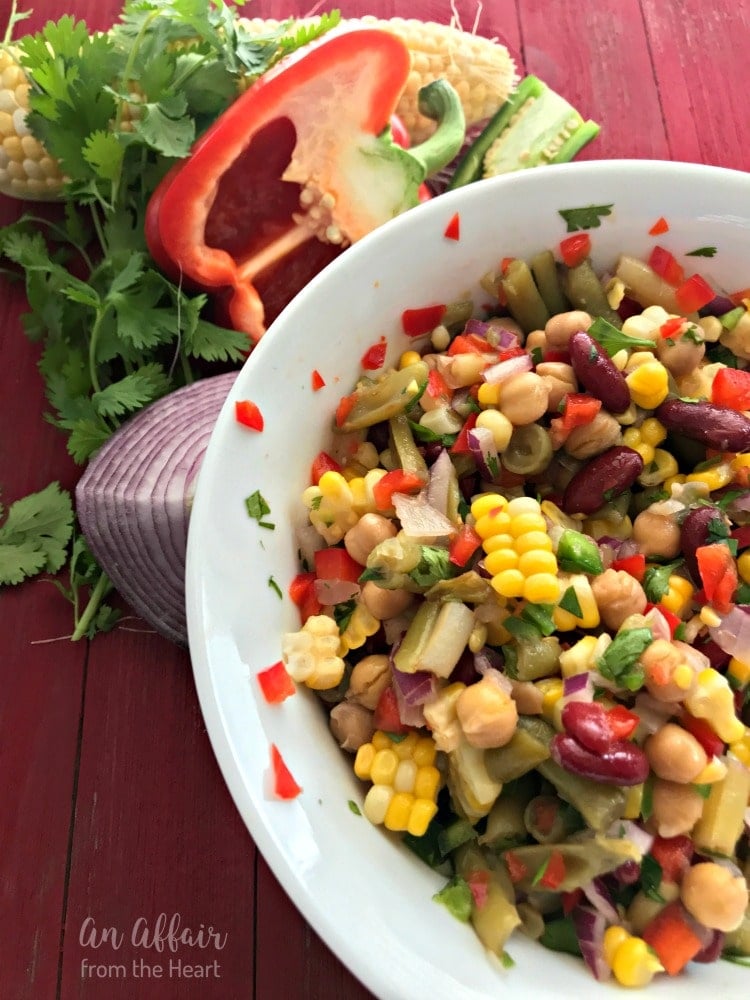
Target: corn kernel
[743,565]
[653,431]
[741,461]
[677,480]
[384,767]
[741,749]
[492,523]
[498,425]
[425,751]
[405,776]
[552,691]
[426,782]
[398,811]
[532,563]
[678,596]
[409,358]
[488,394]
[523,505]
[405,748]
[377,801]
[715,770]
[509,583]
[500,541]
[740,671]
[683,676]
[500,560]
[709,617]
[420,817]
[478,637]
[633,802]
[532,541]
[579,658]
[381,740]
[648,384]
[542,588]
[715,478]
[633,964]
[527,521]
[363,761]
[614,936]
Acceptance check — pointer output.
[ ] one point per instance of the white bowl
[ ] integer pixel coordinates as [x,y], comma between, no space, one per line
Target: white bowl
[366,895]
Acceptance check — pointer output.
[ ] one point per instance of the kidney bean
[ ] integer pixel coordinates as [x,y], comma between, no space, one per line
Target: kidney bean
[623,763]
[712,951]
[587,723]
[596,370]
[716,427]
[610,473]
[694,533]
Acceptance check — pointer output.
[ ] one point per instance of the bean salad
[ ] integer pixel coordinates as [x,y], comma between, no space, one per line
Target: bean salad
[525,605]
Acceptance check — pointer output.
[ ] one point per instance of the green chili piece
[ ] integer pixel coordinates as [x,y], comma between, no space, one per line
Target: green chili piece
[525,303]
[529,450]
[385,397]
[403,444]
[527,748]
[577,553]
[544,268]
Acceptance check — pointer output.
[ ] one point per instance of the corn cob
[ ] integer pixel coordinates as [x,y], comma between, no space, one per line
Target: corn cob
[482,72]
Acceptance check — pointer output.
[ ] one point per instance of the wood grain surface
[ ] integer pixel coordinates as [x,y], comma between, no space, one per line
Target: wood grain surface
[113,808]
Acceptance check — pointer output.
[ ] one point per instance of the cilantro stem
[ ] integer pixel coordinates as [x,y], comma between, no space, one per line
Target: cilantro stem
[63,236]
[13,18]
[103,585]
[93,375]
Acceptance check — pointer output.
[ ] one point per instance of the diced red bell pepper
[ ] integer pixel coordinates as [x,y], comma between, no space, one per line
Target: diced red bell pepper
[453,229]
[284,785]
[635,565]
[516,867]
[247,413]
[674,621]
[622,722]
[416,322]
[386,716]
[374,356]
[731,387]
[554,873]
[461,445]
[505,264]
[302,592]
[436,386]
[323,463]
[318,382]
[579,409]
[468,343]
[575,249]
[673,855]
[227,216]
[666,266]
[671,327]
[693,294]
[336,564]
[660,226]
[718,572]
[704,732]
[276,684]
[345,407]
[672,938]
[396,481]
[463,545]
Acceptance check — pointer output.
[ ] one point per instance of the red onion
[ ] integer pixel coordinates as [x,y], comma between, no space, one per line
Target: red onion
[478,327]
[718,306]
[653,713]
[419,519]
[589,927]
[503,370]
[578,687]
[133,500]
[507,338]
[733,634]
[658,624]
[601,899]
[711,952]
[484,451]
[335,591]
[628,830]
[438,488]
[412,691]
[394,628]
[488,659]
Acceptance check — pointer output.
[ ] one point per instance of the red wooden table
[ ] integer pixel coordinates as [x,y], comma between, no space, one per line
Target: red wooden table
[114,814]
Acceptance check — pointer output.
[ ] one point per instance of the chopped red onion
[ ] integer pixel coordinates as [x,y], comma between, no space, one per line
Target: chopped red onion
[477,327]
[658,624]
[611,542]
[711,952]
[578,687]
[653,713]
[589,926]
[394,628]
[507,338]
[335,591]
[628,873]
[629,830]
[484,451]
[503,370]
[733,633]
[601,899]
[488,659]
[416,688]
[419,519]
[462,402]
[718,305]
[439,485]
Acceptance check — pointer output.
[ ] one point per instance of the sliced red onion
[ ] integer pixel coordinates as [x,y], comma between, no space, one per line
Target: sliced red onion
[733,633]
[578,687]
[439,485]
[631,831]
[419,519]
[601,899]
[412,691]
[503,370]
[610,541]
[336,591]
[463,402]
[653,713]
[394,628]
[133,501]
[477,326]
[590,926]
[481,442]
[658,624]
[507,338]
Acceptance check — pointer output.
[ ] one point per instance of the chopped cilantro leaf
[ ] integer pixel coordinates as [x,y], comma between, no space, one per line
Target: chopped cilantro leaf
[614,340]
[353,807]
[619,662]
[703,790]
[651,878]
[342,613]
[539,873]
[656,580]
[719,354]
[718,532]
[434,565]
[536,356]
[702,252]
[275,587]
[522,629]
[647,800]
[588,217]
[257,508]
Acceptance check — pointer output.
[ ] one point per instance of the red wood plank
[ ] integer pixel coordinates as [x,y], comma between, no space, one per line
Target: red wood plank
[700,59]
[156,833]
[597,56]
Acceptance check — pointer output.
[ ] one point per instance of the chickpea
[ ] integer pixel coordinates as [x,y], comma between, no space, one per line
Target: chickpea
[560,328]
[714,895]
[618,595]
[487,714]
[560,379]
[595,437]
[660,661]
[675,754]
[523,398]
[528,697]
[352,725]
[657,534]
[680,356]
[370,677]
[676,808]
[537,338]
[369,531]
[384,604]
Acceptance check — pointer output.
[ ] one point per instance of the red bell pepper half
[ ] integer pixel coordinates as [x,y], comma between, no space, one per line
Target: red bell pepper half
[301,165]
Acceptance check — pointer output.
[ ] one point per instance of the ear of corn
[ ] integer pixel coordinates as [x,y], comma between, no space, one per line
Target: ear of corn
[481,71]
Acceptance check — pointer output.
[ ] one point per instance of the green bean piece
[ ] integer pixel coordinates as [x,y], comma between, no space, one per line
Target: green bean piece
[435,638]
[497,918]
[457,314]
[403,443]
[578,553]
[521,755]
[560,935]
[469,587]
[544,268]
[549,820]
[584,289]
[534,658]
[385,397]
[600,804]
[529,450]
[452,837]
[583,860]
[737,942]
[390,563]
[525,303]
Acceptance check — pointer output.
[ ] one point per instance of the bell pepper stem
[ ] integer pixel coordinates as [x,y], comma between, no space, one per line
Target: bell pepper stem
[440,102]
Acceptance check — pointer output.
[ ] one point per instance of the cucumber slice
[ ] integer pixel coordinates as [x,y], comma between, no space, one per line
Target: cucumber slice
[534,127]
